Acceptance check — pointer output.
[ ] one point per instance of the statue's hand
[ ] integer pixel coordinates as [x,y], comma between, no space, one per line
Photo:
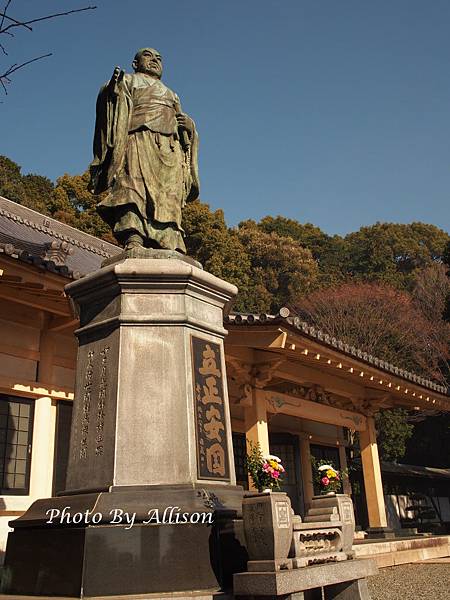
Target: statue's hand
[185,122]
[116,78]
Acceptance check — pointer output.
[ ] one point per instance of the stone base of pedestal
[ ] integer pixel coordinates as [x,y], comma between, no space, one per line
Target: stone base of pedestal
[130,558]
[333,577]
[152,254]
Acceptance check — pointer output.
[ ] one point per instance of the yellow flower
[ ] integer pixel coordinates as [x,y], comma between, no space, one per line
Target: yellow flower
[273,464]
[331,474]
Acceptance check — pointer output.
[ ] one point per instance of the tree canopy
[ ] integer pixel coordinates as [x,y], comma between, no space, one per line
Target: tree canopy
[383,321]
[394,252]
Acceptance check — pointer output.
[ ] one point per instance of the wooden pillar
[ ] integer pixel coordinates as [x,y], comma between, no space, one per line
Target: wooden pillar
[346,487]
[307,475]
[256,429]
[372,476]
[44,425]
[43,446]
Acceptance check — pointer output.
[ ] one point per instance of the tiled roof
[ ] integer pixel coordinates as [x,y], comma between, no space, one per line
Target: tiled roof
[34,238]
[415,470]
[284,317]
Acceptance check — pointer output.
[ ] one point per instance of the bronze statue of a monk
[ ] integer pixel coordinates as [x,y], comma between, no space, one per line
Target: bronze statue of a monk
[145,156]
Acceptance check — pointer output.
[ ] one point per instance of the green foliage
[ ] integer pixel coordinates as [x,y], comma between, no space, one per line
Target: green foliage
[307,234]
[281,269]
[388,253]
[75,205]
[328,251]
[269,270]
[393,253]
[393,432]
[255,466]
[33,191]
[217,247]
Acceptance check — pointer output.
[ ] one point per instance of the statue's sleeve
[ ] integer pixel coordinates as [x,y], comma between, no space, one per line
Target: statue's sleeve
[191,151]
[193,159]
[111,129]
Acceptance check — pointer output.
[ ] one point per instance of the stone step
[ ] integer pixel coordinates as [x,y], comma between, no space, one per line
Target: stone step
[317,525]
[325,510]
[389,553]
[321,517]
[282,583]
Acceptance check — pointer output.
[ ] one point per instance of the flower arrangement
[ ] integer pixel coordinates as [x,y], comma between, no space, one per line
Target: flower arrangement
[327,477]
[265,471]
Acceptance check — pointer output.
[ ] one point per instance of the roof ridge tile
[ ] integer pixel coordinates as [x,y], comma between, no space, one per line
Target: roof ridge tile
[48,230]
[295,321]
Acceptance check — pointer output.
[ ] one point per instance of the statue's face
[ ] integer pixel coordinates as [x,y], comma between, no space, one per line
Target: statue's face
[148,61]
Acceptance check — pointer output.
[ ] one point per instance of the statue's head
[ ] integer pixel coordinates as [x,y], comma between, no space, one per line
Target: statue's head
[149,61]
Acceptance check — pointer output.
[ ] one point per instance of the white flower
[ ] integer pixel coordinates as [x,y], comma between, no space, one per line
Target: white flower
[272,457]
[325,468]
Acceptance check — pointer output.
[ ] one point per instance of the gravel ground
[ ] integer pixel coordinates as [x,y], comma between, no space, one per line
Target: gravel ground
[411,582]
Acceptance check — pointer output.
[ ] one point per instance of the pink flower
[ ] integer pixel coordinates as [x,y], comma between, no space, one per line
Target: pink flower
[325,480]
[275,474]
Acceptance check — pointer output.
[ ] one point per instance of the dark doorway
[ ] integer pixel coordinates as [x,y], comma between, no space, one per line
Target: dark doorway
[240,459]
[286,447]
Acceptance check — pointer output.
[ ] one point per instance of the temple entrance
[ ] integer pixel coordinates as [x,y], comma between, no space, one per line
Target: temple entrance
[286,447]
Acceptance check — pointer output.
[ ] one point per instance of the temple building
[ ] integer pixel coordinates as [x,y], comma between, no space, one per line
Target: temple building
[293,389]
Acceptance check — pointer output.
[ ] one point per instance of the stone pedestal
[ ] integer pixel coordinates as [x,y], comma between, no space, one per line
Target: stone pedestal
[268,530]
[334,507]
[150,431]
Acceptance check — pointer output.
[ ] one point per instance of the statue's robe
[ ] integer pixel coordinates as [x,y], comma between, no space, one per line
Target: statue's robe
[140,160]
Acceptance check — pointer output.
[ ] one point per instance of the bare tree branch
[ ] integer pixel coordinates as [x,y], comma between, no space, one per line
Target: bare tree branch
[4,78]
[5,16]
[12,22]
[16,23]
[8,2]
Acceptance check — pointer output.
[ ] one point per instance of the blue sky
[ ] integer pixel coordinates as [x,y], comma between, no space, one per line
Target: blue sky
[335,113]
